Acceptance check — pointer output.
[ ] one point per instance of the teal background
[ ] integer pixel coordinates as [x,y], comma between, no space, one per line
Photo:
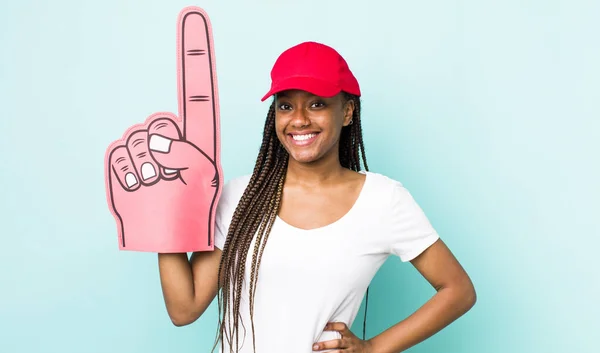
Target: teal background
[486,110]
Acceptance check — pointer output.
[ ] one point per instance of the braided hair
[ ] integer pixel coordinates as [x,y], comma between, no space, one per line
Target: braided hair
[257,211]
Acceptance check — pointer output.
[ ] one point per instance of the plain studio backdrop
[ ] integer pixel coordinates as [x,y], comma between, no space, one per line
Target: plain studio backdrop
[486,110]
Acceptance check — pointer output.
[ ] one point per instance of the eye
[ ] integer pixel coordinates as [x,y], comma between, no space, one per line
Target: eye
[284,106]
[317,104]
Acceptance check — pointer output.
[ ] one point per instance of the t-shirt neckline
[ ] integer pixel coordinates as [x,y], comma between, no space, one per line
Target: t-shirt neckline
[340,220]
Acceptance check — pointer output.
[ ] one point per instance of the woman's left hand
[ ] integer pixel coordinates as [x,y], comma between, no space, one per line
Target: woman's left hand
[348,343]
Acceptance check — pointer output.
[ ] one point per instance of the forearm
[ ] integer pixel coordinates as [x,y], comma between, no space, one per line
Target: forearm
[189,286]
[443,308]
[177,284]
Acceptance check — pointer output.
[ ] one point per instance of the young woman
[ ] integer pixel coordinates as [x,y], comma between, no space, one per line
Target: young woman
[299,240]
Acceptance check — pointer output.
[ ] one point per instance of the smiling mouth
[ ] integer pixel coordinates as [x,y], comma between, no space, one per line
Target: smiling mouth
[304,139]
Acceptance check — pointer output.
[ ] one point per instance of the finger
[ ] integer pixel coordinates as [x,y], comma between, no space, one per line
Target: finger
[336,326]
[198,101]
[146,167]
[176,154]
[123,170]
[165,125]
[331,344]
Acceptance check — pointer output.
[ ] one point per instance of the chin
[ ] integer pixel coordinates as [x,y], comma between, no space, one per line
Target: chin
[306,152]
[304,157]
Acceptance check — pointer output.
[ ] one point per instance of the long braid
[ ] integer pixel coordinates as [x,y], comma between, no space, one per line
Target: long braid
[352,146]
[256,213]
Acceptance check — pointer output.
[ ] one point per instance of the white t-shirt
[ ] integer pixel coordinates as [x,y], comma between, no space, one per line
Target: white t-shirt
[310,277]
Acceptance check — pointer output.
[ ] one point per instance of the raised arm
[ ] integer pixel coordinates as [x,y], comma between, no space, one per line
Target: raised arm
[189,286]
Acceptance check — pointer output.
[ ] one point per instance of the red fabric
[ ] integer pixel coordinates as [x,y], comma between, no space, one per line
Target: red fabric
[312,67]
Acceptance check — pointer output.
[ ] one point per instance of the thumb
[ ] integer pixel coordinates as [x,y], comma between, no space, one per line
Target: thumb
[176,154]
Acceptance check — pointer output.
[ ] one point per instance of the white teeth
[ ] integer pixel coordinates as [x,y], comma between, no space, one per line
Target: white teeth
[303,137]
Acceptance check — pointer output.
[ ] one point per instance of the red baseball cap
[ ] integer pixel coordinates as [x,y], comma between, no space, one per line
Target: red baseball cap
[312,67]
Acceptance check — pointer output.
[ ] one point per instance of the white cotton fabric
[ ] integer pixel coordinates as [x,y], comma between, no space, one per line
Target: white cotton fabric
[310,277]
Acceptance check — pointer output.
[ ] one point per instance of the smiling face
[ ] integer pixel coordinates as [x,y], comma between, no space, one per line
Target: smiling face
[309,126]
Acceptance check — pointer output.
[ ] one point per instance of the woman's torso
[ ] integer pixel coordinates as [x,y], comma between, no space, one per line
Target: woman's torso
[309,277]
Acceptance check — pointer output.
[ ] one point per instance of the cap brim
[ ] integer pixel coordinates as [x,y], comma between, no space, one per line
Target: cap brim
[309,84]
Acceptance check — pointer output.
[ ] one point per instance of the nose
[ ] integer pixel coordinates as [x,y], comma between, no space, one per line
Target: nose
[300,118]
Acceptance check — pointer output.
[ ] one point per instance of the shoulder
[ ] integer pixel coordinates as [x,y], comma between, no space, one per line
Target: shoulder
[237,183]
[396,201]
[383,186]
[389,193]
[406,230]
[233,189]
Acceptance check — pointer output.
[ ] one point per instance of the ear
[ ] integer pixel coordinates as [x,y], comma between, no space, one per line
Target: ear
[348,112]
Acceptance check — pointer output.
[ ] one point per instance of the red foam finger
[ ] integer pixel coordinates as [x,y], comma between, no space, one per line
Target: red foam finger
[197,80]
[172,209]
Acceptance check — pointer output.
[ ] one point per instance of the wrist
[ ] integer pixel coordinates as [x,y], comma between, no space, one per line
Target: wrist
[369,346]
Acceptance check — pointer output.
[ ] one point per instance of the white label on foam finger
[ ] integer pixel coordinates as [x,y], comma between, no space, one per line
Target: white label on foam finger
[159,143]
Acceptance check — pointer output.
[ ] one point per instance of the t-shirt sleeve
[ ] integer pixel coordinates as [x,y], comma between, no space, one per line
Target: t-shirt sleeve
[221,221]
[230,196]
[410,231]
